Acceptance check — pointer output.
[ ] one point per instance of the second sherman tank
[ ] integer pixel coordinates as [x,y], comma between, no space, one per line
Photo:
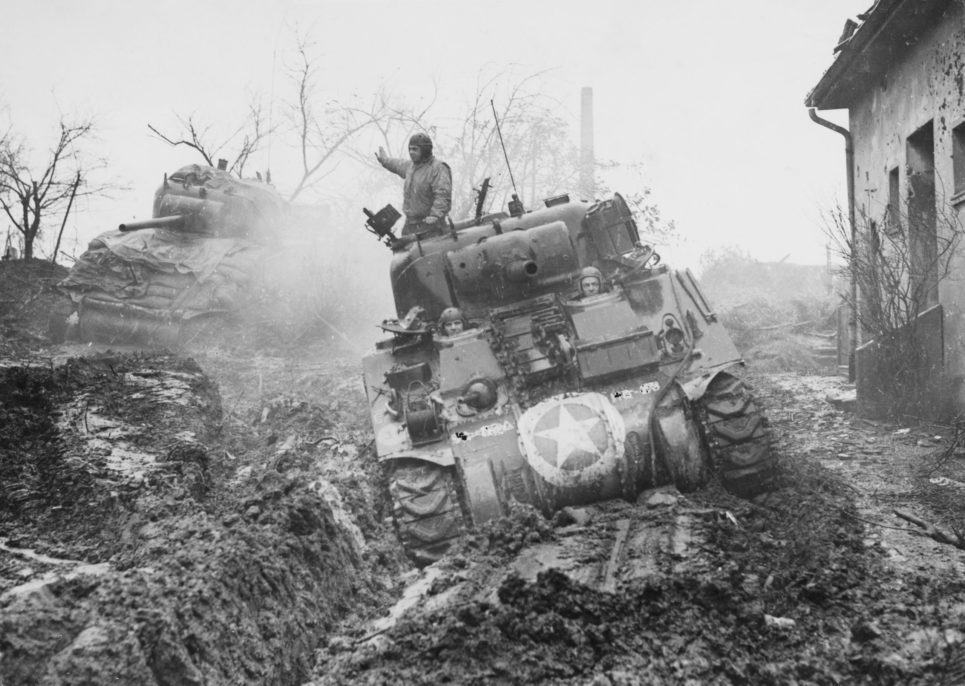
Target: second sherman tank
[166,280]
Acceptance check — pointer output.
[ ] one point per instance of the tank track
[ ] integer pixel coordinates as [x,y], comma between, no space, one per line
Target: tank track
[425,507]
[738,438]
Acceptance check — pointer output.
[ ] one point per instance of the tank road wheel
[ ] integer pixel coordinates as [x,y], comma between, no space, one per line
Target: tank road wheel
[737,437]
[425,506]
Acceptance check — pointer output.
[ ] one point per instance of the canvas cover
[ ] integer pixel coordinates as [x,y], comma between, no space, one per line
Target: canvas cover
[169,271]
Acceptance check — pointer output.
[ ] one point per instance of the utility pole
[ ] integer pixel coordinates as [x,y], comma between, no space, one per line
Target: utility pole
[63,224]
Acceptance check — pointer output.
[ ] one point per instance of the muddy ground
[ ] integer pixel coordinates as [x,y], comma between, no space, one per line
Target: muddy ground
[218,517]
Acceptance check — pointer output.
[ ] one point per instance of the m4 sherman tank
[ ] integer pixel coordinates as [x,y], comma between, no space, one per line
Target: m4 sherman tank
[165,280]
[557,390]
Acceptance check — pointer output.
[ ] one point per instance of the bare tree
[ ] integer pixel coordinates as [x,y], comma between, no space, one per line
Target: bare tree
[543,158]
[322,128]
[639,196]
[30,195]
[317,129]
[538,156]
[242,140]
[897,261]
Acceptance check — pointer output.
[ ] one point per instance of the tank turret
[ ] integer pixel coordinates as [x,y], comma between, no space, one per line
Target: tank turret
[205,200]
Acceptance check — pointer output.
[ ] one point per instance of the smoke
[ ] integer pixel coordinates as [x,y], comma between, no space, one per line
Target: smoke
[327,280]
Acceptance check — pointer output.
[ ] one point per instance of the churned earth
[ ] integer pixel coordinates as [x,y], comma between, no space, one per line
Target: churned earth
[820,584]
[218,516]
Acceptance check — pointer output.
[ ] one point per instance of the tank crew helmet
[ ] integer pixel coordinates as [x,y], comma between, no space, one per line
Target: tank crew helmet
[452,321]
[423,142]
[591,281]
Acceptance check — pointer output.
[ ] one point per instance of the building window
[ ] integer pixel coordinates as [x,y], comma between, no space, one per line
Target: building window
[958,158]
[893,210]
[922,219]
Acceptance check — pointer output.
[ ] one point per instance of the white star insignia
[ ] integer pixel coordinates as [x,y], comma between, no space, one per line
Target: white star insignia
[572,437]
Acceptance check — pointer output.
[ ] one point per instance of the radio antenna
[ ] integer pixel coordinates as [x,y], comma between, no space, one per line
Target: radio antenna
[515,205]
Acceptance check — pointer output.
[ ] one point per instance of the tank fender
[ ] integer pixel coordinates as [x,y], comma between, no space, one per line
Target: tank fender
[484,497]
[439,457]
[696,387]
[677,438]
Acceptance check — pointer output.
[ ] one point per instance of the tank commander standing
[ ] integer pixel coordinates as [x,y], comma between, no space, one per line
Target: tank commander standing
[427,193]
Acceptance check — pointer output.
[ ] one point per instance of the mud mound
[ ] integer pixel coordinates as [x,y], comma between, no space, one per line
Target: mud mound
[506,536]
[28,295]
[303,417]
[126,556]
[233,604]
[82,440]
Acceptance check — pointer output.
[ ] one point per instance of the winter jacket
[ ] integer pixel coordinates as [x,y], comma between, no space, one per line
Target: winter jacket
[428,187]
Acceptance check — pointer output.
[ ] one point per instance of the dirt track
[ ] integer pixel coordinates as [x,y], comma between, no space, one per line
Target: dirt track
[221,521]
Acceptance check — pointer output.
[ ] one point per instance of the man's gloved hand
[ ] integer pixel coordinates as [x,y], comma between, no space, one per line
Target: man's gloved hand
[430,220]
[381,155]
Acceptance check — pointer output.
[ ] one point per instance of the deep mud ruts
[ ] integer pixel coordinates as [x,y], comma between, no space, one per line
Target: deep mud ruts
[171,573]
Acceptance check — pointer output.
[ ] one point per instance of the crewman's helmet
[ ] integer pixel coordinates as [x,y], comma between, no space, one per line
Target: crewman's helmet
[591,281]
[424,143]
[452,321]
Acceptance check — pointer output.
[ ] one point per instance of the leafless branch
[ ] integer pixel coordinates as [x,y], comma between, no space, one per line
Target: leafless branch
[322,132]
[244,139]
[30,194]
[897,257]
[193,141]
[931,531]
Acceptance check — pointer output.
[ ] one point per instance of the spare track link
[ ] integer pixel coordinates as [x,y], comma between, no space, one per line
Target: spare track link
[425,507]
[738,438]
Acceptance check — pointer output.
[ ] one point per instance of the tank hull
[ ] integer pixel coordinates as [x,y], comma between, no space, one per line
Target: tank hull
[553,397]
[586,397]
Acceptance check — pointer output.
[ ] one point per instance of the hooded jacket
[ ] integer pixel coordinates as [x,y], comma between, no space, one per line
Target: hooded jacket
[427,191]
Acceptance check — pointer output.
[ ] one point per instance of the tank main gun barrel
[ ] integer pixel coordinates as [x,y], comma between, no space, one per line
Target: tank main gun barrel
[176,221]
[521,270]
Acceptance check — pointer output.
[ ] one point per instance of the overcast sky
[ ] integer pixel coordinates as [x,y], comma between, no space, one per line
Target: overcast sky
[708,94]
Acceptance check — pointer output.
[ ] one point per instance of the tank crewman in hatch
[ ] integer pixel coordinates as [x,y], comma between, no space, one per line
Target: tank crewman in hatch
[427,193]
[591,282]
[452,321]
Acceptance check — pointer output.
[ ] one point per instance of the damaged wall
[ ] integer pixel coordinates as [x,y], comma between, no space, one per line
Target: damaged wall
[904,133]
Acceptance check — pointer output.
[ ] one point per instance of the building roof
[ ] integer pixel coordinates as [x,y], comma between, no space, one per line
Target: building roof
[866,50]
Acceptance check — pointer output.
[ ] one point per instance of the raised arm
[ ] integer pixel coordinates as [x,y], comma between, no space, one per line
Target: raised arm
[393,164]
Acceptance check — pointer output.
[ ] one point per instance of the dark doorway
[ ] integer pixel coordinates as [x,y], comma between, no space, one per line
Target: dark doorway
[922,227]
